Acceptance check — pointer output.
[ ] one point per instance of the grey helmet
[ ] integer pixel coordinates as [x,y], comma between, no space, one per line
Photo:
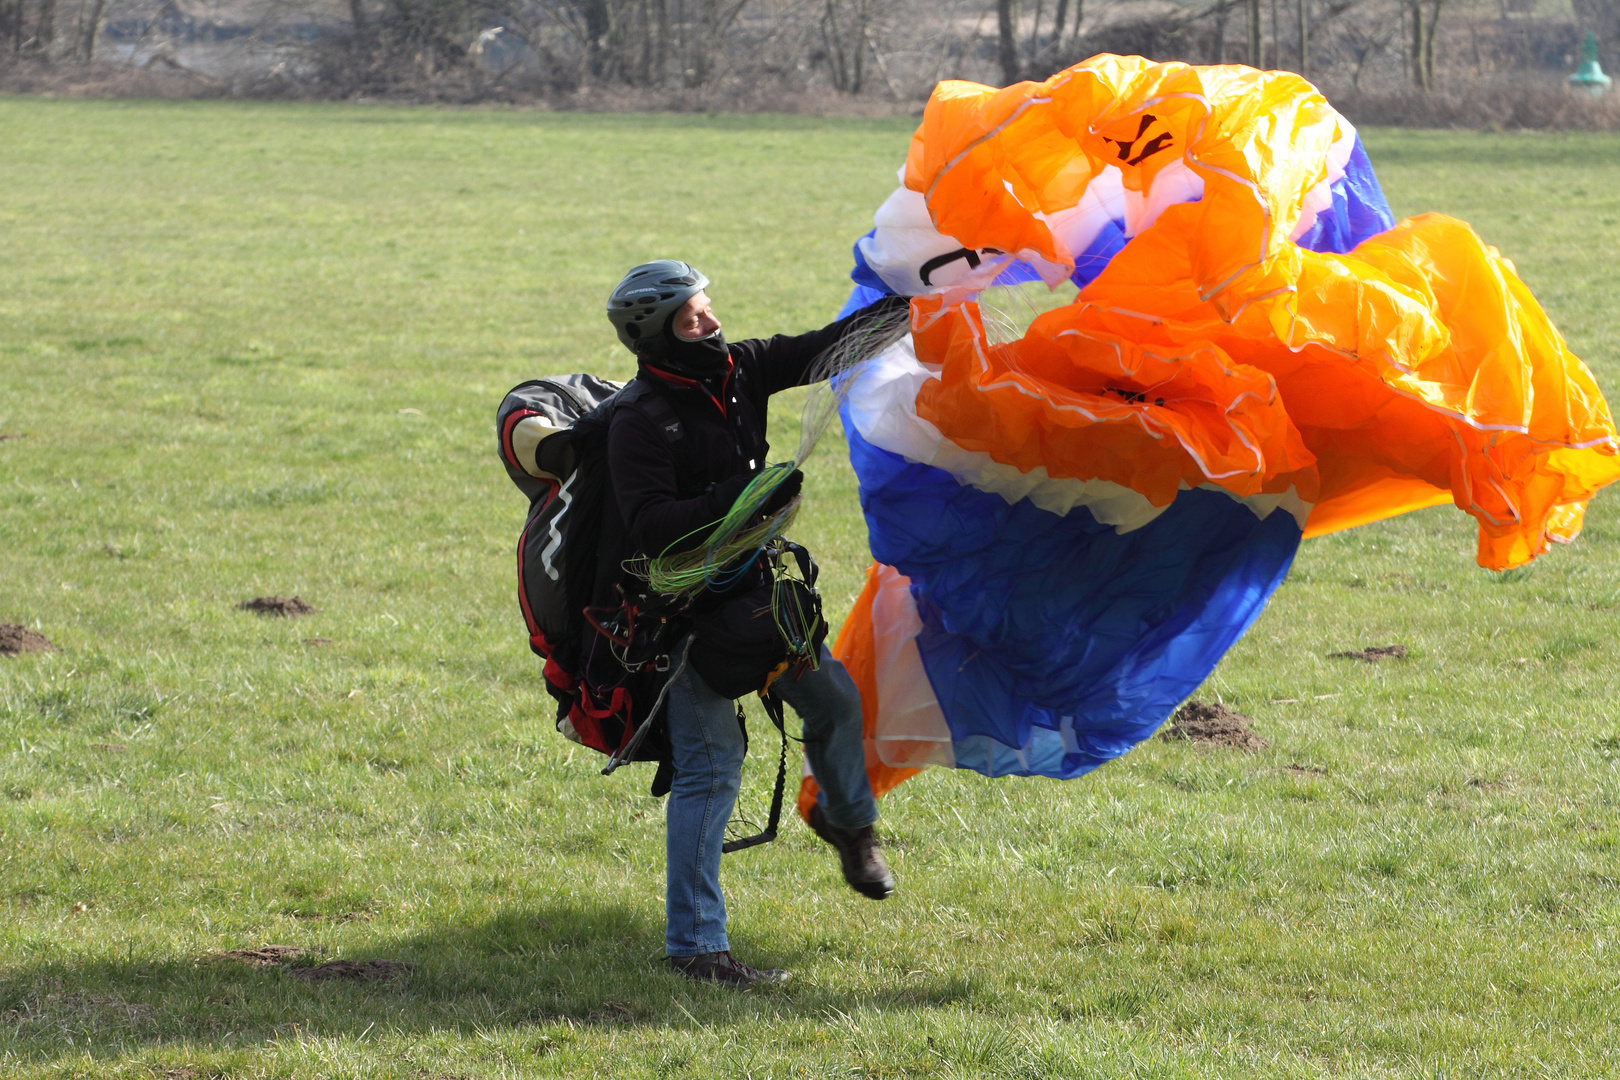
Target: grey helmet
[643,302]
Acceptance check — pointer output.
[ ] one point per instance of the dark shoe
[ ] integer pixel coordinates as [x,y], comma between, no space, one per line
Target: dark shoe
[863,863]
[724,969]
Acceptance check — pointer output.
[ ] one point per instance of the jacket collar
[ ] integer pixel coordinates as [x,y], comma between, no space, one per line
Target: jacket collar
[685,383]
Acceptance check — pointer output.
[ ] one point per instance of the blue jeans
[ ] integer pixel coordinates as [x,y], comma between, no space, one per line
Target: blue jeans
[707,745]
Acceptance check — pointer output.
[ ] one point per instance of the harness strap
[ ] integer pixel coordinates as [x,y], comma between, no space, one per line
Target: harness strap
[654,406]
[773,709]
[628,750]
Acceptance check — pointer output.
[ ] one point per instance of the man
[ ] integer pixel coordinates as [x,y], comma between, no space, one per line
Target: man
[669,491]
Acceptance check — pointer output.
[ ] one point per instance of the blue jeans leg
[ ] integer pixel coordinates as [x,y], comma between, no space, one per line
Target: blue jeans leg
[706,743]
[830,706]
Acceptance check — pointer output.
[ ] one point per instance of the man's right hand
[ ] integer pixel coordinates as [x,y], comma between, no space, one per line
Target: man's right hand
[784,493]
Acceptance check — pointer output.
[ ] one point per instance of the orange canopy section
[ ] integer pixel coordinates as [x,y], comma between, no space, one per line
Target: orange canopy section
[1213,350]
[858,652]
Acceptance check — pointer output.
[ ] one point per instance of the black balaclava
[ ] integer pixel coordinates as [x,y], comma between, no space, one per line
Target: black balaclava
[704,359]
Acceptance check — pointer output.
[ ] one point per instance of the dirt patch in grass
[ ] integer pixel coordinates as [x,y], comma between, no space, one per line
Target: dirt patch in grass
[371,971]
[286,607]
[1373,654]
[1212,725]
[15,639]
[265,955]
[317,642]
[1306,770]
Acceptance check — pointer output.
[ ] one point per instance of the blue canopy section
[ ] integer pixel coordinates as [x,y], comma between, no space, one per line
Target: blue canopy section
[1090,262]
[1359,209]
[1053,643]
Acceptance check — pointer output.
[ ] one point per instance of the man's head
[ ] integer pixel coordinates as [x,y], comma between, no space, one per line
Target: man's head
[660,296]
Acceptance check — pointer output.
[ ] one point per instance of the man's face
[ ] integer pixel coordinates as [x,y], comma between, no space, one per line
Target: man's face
[695,319]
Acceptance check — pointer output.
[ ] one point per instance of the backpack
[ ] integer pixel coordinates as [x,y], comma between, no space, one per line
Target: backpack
[603,671]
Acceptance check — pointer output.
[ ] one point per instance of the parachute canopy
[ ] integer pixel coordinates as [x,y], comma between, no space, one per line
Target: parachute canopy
[1071,528]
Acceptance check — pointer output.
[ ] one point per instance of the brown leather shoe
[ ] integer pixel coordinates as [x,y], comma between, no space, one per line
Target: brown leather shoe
[858,853]
[724,969]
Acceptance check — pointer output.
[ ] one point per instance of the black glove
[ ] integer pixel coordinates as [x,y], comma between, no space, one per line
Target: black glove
[726,491]
[784,493]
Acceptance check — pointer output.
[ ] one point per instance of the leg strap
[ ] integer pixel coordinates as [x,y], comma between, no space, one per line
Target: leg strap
[773,709]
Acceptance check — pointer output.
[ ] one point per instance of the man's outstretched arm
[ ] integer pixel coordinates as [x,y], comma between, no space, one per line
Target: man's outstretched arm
[787,360]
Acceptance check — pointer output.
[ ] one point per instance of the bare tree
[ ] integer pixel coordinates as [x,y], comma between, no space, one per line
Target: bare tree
[362,25]
[847,37]
[90,28]
[1304,14]
[11,25]
[1424,22]
[1007,18]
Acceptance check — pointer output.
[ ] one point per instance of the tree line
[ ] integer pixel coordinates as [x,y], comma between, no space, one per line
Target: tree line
[894,49]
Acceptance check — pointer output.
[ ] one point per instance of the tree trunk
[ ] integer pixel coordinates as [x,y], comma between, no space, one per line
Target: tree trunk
[1256,58]
[597,25]
[644,42]
[1418,74]
[1304,36]
[661,55]
[1220,33]
[858,68]
[92,29]
[362,25]
[834,40]
[697,50]
[1007,16]
[1428,44]
[1035,35]
[1276,38]
[1057,22]
[45,27]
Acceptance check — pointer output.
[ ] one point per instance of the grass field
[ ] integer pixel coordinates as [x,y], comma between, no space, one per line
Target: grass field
[250,349]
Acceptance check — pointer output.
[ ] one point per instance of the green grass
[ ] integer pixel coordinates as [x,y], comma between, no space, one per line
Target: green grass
[257,349]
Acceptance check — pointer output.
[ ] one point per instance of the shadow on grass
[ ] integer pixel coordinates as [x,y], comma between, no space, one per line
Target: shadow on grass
[559,965]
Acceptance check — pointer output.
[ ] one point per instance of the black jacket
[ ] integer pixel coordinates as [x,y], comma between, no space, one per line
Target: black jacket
[664,490]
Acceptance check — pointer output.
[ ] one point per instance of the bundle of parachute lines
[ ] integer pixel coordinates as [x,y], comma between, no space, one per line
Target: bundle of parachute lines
[1071,523]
